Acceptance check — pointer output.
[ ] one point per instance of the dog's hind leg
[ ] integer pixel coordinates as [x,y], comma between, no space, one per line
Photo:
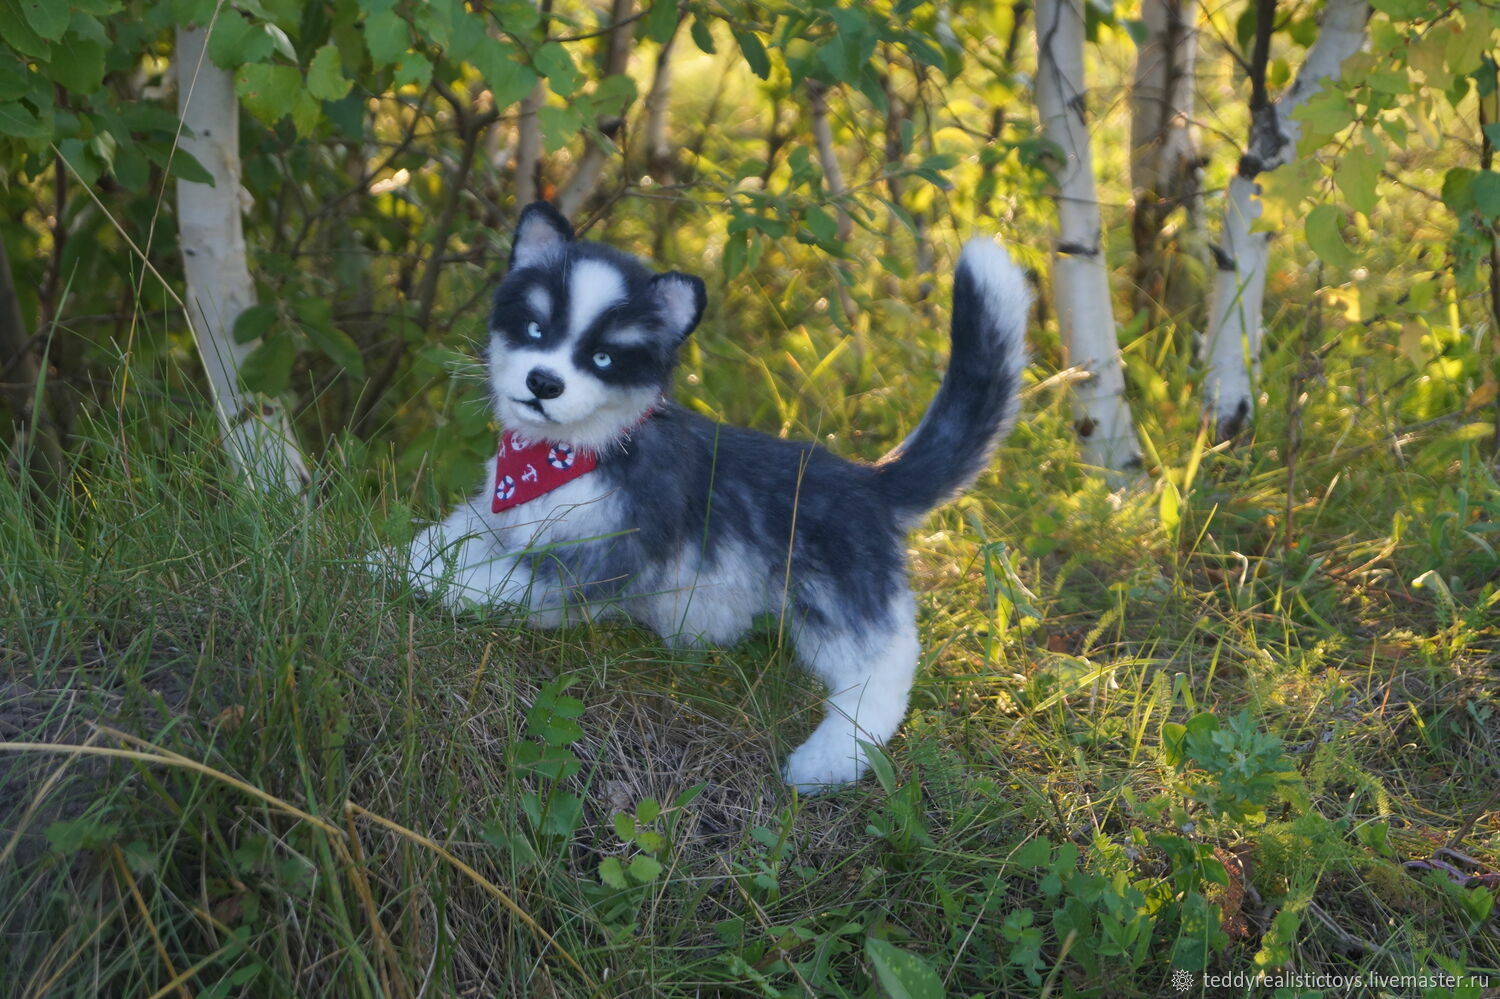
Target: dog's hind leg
[867,668]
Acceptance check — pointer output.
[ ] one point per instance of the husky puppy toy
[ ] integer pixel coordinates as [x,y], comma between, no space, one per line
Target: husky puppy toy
[608,498]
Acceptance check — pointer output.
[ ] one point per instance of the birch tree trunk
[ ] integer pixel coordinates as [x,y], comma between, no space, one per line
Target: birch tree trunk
[212,236]
[1164,161]
[1080,283]
[529,145]
[659,158]
[585,180]
[1231,350]
[833,174]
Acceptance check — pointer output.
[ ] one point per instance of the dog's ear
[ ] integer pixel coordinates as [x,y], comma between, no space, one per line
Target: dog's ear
[541,232]
[680,298]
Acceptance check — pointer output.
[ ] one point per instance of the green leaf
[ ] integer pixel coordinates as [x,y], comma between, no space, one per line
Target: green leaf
[280,42]
[1169,508]
[1486,194]
[1465,51]
[325,75]
[661,21]
[902,975]
[1458,189]
[821,224]
[702,37]
[612,874]
[268,369]
[77,64]
[647,810]
[754,52]
[508,78]
[268,91]
[1174,742]
[415,70]
[880,765]
[254,323]
[644,868]
[558,126]
[18,120]
[556,64]
[236,41]
[387,37]
[48,18]
[1203,723]
[81,834]
[339,346]
[1323,236]
[736,249]
[185,166]
[518,16]
[1034,853]
[612,93]
[76,155]
[18,34]
[564,812]
[13,79]
[1399,10]
[307,111]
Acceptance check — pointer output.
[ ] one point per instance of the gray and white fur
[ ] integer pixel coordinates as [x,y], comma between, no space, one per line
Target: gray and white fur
[693,528]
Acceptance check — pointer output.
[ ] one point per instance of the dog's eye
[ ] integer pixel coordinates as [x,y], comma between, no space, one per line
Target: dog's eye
[533,330]
[603,360]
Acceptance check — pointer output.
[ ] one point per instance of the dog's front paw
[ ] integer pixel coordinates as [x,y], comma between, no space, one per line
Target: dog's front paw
[822,764]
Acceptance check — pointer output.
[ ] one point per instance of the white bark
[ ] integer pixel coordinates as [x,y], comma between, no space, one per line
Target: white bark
[1080,283]
[833,174]
[1165,168]
[257,433]
[529,145]
[658,102]
[1163,144]
[1231,349]
[585,180]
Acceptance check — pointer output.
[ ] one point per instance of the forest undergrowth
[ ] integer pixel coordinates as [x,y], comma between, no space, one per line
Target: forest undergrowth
[1238,717]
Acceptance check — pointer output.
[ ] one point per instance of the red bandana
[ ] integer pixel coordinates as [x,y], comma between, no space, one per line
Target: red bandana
[526,469]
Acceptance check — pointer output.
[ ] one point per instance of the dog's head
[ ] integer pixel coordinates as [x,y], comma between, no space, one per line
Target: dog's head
[583,337]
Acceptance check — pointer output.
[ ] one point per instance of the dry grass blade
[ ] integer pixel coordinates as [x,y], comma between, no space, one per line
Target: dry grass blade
[177,981]
[489,886]
[390,968]
[168,759]
[36,803]
[187,974]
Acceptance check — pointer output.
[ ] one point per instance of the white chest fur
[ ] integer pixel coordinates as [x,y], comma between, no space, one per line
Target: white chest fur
[472,556]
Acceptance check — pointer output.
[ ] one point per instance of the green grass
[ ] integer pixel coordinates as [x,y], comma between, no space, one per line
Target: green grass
[236,763]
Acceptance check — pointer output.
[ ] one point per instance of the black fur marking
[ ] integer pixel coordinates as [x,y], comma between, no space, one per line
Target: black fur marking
[636,359]
[539,224]
[693,484]
[952,444]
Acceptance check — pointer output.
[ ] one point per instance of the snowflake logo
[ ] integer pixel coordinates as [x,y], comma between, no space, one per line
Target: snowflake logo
[1182,979]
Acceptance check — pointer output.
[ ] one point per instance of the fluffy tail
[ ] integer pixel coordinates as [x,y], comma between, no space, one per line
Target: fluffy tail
[977,402]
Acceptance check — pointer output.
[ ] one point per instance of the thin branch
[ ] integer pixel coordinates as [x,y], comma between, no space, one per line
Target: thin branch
[618,22]
[427,290]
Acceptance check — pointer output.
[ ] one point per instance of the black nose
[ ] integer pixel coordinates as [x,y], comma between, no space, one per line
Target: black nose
[544,384]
